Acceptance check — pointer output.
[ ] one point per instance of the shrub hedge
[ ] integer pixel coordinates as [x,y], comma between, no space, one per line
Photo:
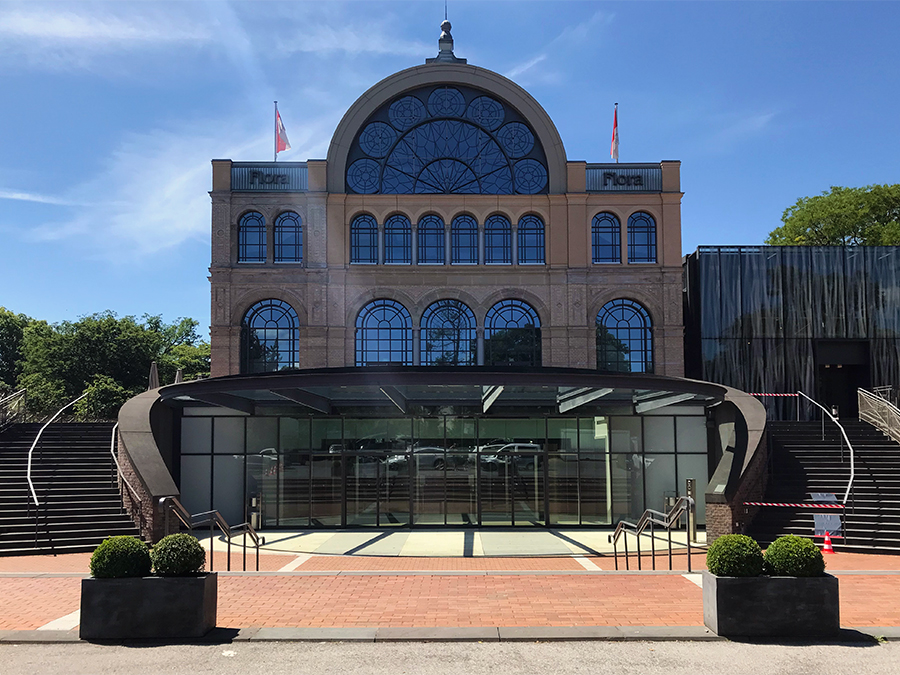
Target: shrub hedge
[734,555]
[178,555]
[120,556]
[793,556]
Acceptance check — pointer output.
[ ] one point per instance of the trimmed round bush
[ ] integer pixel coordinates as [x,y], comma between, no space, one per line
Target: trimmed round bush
[121,556]
[734,555]
[793,556]
[178,555]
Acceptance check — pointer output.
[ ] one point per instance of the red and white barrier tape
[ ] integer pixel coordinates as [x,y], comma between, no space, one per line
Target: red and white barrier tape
[810,504]
[793,395]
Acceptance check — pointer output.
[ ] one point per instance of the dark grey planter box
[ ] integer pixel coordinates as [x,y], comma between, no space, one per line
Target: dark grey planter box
[148,607]
[773,607]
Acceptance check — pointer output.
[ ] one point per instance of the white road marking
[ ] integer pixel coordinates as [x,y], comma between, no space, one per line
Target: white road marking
[585,563]
[67,622]
[295,563]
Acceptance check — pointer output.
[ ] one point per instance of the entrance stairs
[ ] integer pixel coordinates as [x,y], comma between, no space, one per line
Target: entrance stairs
[801,462]
[73,477]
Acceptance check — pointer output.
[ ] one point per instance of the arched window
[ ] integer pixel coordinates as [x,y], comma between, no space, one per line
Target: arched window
[446,140]
[383,334]
[397,241]
[531,240]
[512,335]
[624,339]
[431,240]
[641,238]
[448,335]
[252,238]
[364,240]
[269,337]
[606,239]
[497,241]
[464,241]
[288,238]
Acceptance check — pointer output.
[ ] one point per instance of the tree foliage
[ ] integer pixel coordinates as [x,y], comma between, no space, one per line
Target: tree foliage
[12,326]
[868,216]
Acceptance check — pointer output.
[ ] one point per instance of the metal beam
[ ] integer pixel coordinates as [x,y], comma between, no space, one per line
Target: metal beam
[662,402]
[239,403]
[305,398]
[395,397]
[489,395]
[574,398]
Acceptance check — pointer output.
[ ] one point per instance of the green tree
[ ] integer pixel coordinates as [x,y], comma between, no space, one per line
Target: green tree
[104,398]
[12,326]
[868,216]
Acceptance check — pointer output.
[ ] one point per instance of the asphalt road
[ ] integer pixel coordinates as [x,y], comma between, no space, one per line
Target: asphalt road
[562,658]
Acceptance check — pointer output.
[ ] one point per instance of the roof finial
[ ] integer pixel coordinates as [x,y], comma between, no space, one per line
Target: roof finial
[445,43]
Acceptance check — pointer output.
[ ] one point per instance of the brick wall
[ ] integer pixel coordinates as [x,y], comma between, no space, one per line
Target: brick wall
[147,515]
[733,517]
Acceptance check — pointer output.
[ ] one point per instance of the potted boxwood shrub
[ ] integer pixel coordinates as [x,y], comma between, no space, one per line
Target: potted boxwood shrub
[783,594]
[122,601]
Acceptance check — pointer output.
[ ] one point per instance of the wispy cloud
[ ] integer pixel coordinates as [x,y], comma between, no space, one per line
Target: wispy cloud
[525,67]
[328,39]
[728,131]
[37,198]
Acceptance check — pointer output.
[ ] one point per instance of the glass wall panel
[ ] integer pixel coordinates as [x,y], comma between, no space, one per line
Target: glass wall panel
[196,481]
[228,487]
[659,434]
[460,476]
[294,487]
[429,468]
[262,435]
[660,481]
[696,467]
[562,486]
[326,481]
[595,488]
[294,434]
[228,435]
[691,434]
[627,486]
[263,495]
[625,434]
[196,434]
[593,434]
[327,435]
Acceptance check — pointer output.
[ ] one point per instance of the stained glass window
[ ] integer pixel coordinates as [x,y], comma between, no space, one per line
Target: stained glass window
[431,239]
[531,240]
[448,335]
[269,337]
[364,240]
[497,241]
[464,241]
[606,239]
[252,238]
[624,338]
[512,335]
[288,238]
[383,334]
[397,241]
[641,238]
[449,140]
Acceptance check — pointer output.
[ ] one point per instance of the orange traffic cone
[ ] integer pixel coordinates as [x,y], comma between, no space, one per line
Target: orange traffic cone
[827,547]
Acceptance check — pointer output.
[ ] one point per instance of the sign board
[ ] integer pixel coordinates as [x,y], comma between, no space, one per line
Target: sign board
[624,178]
[269,177]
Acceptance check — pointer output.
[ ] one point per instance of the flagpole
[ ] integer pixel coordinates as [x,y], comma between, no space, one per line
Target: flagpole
[616,114]
[276,132]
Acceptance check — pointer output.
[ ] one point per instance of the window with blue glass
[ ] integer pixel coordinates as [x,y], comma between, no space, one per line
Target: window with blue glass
[448,335]
[512,335]
[606,239]
[431,239]
[252,238]
[288,238]
[624,338]
[531,240]
[497,241]
[269,337]
[448,140]
[464,241]
[383,334]
[397,241]
[364,240]
[641,238]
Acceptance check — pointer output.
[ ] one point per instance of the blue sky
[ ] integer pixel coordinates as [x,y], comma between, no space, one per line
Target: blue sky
[111,111]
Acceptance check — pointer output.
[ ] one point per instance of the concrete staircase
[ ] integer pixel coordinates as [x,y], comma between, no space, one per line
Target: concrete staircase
[73,476]
[801,462]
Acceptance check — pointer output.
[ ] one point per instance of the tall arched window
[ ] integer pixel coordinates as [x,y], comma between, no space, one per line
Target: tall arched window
[252,238]
[512,335]
[269,337]
[464,241]
[624,338]
[364,240]
[497,241]
[641,238]
[288,238]
[531,240]
[606,239]
[431,240]
[383,334]
[397,241]
[448,335]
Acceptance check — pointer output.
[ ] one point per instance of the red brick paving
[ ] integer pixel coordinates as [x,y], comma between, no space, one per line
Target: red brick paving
[401,564]
[28,603]
[80,562]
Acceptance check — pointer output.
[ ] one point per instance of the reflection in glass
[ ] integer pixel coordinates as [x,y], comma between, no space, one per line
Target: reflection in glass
[624,339]
[606,243]
[464,241]
[269,337]
[531,240]
[383,334]
[448,334]
[430,236]
[252,238]
[512,335]
[288,238]
[641,238]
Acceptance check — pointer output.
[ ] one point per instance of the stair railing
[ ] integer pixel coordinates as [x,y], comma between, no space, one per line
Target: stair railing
[879,412]
[212,519]
[11,408]
[37,440]
[120,474]
[650,519]
[845,440]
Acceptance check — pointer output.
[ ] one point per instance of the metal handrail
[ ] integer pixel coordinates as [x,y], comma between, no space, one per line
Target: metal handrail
[37,439]
[213,519]
[650,518]
[6,404]
[846,439]
[880,413]
[112,451]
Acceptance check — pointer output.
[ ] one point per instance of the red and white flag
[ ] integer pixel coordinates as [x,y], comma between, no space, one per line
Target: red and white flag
[614,144]
[281,140]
